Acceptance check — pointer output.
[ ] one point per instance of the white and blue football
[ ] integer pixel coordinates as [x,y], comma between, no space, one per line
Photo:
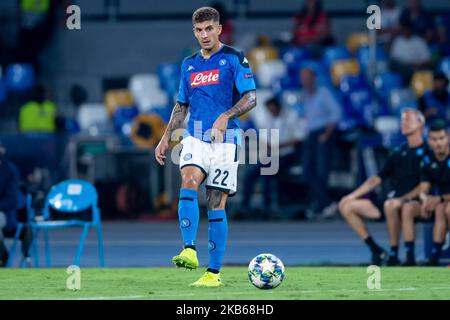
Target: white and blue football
[266,271]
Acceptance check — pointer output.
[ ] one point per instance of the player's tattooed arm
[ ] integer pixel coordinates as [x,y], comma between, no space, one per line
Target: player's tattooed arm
[177,117]
[179,113]
[244,105]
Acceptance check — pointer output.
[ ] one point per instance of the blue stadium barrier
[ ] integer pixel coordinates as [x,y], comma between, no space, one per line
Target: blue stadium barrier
[71,203]
[20,77]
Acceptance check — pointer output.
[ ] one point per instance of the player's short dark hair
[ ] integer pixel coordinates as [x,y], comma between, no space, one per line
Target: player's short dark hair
[437,125]
[205,14]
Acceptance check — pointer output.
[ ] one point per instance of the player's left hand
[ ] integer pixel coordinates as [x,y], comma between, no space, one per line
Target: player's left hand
[219,128]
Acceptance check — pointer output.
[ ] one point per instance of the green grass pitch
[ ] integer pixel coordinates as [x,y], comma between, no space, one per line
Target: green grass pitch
[172,283]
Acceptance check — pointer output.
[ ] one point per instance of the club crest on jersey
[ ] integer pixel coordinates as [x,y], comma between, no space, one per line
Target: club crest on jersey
[187,156]
[222,62]
[204,78]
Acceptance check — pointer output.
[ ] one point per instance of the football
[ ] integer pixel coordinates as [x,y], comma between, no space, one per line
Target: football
[266,271]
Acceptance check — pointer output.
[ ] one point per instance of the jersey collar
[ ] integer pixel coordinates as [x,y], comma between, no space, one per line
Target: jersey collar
[220,49]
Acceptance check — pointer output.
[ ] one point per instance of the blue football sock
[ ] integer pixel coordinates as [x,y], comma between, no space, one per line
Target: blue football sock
[217,235]
[188,215]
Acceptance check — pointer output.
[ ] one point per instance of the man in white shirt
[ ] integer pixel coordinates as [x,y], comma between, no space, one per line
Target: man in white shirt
[409,52]
[322,114]
[291,132]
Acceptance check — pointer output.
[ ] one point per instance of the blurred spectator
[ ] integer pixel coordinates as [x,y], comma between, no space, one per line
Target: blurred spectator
[227,26]
[264,51]
[409,52]
[421,21]
[9,198]
[287,122]
[39,114]
[389,20]
[435,103]
[322,114]
[311,26]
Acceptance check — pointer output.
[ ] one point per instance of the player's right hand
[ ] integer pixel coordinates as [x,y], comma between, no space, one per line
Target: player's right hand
[160,151]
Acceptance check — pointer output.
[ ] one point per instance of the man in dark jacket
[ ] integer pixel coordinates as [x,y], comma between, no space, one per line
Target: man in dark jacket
[9,196]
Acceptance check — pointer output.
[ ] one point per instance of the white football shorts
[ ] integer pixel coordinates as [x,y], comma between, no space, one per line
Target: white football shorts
[218,161]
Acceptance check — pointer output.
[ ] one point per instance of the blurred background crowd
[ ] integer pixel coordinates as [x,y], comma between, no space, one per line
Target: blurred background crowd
[92,103]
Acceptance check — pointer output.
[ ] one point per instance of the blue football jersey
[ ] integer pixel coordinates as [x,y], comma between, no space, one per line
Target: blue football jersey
[212,86]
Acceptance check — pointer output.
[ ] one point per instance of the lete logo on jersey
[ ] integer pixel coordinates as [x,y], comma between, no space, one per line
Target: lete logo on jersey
[204,78]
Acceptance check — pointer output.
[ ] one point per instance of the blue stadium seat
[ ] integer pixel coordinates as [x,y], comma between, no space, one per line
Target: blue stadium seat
[334,53]
[387,81]
[71,203]
[285,83]
[169,77]
[20,77]
[444,66]
[3,91]
[123,119]
[351,83]
[294,56]
[361,105]
[363,55]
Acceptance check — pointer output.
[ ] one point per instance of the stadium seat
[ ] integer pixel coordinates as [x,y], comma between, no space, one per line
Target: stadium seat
[123,120]
[362,109]
[294,56]
[91,115]
[269,71]
[342,68]
[335,53]
[356,40]
[351,83]
[71,203]
[387,125]
[444,66]
[118,98]
[363,57]
[20,77]
[169,77]
[146,91]
[387,81]
[261,54]
[3,91]
[400,96]
[285,83]
[421,81]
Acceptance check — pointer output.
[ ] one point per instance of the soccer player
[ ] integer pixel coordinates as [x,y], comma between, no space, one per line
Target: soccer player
[216,87]
[434,195]
[402,168]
